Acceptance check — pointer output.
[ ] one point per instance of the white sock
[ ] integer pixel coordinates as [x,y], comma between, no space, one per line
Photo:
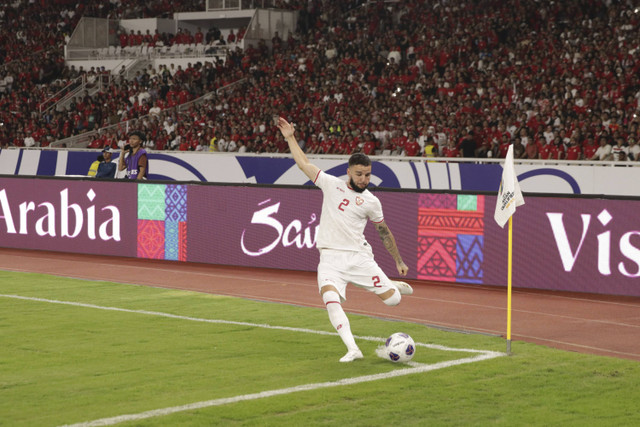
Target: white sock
[339,319]
[393,299]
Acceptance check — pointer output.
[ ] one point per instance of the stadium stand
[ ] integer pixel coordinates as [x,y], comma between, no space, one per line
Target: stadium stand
[385,77]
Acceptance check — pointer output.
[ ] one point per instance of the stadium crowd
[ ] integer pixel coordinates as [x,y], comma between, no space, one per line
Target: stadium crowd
[558,80]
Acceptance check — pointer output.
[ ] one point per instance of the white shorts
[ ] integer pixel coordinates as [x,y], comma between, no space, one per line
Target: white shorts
[338,268]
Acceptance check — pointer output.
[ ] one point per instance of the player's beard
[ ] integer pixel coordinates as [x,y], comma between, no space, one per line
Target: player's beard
[354,187]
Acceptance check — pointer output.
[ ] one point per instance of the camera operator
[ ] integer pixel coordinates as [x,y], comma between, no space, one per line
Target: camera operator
[136,162]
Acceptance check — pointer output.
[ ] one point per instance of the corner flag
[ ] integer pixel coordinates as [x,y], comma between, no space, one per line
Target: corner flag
[509,195]
[509,198]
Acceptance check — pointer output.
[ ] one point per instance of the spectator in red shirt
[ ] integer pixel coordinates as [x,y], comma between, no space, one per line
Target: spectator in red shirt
[503,148]
[547,150]
[353,143]
[341,146]
[474,89]
[124,40]
[312,145]
[450,150]
[198,37]
[574,152]
[131,38]
[589,148]
[326,145]
[369,147]
[138,38]
[231,37]
[557,150]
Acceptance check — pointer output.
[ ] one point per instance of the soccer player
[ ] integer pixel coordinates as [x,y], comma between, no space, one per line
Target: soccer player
[345,255]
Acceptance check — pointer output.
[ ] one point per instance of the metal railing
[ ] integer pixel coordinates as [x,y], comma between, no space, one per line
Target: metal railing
[72,89]
[53,100]
[149,52]
[239,4]
[83,139]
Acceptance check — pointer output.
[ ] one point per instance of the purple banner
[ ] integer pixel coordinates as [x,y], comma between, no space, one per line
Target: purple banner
[68,216]
[571,244]
[583,245]
[568,244]
[251,226]
[276,227]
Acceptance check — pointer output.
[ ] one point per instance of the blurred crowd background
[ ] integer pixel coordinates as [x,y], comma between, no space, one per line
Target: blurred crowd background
[448,78]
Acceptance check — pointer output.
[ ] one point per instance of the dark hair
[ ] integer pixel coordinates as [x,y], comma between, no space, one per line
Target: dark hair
[359,159]
[139,134]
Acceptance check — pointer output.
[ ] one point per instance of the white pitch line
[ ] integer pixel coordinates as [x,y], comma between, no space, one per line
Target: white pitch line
[282,391]
[224,322]
[415,369]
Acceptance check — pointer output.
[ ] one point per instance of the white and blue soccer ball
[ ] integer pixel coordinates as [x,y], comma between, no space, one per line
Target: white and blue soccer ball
[399,347]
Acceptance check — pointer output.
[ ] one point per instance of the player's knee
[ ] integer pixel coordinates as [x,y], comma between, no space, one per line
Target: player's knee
[327,288]
[330,297]
[394,299]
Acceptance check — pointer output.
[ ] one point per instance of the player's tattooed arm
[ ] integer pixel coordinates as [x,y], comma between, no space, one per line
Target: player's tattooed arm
[390,244]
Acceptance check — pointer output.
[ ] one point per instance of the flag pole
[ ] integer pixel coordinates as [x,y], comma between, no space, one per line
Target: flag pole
[509,272]
[509,198]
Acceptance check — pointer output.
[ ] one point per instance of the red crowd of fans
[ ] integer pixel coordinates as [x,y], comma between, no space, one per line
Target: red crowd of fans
[556,80]
[183,36]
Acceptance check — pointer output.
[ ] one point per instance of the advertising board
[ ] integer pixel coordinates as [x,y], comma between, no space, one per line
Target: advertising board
[559,243]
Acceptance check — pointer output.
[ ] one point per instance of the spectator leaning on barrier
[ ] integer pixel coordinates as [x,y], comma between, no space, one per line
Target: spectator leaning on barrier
[451,150]
[574,152]
[619,151]
[589,148]
[133,157]
[604,151]
[634,149]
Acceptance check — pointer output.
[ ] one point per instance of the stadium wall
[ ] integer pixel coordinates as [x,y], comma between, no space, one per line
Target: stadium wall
[388,172]
[560,243]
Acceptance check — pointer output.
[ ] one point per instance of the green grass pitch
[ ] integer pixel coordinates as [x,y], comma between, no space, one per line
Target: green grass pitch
[74,351]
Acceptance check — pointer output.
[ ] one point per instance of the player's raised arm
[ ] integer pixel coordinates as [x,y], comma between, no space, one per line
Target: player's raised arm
[287,129]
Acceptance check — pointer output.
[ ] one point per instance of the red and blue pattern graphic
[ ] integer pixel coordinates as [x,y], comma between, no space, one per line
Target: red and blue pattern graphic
[450,237]
[162,221]
[150,239]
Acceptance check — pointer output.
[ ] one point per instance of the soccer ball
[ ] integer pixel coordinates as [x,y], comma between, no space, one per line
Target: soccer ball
[399,348]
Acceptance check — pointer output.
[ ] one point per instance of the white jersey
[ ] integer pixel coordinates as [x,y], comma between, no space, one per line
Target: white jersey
[344,215]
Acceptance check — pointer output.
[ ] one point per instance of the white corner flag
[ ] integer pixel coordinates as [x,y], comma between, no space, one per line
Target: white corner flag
[509,198]
[509,195]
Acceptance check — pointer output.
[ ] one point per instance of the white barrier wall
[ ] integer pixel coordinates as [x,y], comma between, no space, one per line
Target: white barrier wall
[606,178]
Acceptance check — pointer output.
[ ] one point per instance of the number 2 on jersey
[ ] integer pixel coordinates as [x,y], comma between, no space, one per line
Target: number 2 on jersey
[343,204]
